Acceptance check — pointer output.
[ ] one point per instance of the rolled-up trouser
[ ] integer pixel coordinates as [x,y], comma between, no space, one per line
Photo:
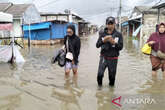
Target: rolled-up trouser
[112,67]
[157,63]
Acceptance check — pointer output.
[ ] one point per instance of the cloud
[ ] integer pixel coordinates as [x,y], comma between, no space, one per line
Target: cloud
[93,10]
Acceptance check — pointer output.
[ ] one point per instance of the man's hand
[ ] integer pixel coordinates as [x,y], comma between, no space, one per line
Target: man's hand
[107,38]
[151,42]
[112,40]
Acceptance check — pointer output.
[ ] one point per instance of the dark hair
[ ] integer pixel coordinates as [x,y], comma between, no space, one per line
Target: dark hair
[162,24]
[72,27]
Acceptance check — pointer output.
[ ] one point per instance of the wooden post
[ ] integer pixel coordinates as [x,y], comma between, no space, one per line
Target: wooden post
[51,37]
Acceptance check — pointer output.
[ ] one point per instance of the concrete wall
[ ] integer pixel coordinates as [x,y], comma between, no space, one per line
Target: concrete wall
[149,26]
[50,18]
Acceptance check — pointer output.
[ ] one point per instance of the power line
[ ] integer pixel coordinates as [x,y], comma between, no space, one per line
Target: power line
[120,16]
[51,2]
[102,12]
[99,11]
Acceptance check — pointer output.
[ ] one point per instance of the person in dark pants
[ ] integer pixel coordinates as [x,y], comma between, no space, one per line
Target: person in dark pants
[111,42]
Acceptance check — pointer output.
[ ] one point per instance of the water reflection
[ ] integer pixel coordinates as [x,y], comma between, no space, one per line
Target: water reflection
[154,86]
[69,95]
[104,100]
[10,102]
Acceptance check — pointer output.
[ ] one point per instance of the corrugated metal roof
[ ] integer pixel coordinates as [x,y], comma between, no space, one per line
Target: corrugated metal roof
[3,6]
[14,9]
[18,9]
[162,5]
[146,9]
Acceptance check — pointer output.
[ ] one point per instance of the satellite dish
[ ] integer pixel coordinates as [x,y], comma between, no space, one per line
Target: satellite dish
[67,11]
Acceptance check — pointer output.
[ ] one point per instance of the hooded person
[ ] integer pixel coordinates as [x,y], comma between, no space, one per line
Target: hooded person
[73,44]
[157,43]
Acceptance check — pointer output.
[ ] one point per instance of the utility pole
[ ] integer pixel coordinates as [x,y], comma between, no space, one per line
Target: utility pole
[120,16]
[111,11]
[158,19]
[29,37]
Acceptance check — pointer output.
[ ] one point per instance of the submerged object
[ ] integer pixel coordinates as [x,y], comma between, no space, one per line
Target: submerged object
[9,53]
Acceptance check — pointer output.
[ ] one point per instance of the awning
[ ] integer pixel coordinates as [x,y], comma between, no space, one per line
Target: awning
[137,31]
[124,24]
[162,5]
[7,27]
[136,17]
[45,25]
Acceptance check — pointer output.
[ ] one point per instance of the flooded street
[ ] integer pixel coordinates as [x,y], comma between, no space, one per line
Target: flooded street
[39,85]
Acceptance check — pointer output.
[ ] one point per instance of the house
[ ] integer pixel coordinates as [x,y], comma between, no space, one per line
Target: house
[70,17]
[159,9]
[48,16]
[93,29]
[84,28]
[45,31]
[67,15]
[124,26]
[142,22]
[22,14]
[5,24]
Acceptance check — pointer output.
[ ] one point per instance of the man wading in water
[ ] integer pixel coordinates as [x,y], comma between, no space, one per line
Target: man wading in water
[111,42]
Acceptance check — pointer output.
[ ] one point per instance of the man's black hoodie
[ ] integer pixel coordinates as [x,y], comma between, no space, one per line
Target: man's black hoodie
[107,49]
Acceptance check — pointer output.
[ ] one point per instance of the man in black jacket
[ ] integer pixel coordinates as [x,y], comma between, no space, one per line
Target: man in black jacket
[111,42]
[73,44]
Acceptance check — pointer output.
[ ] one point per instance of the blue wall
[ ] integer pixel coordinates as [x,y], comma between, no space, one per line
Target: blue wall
[54,31]
[58,30]
[43,34]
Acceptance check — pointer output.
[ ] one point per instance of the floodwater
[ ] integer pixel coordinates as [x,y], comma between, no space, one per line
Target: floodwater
[39,85]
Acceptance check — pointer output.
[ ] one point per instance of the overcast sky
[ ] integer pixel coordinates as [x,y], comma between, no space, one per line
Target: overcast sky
[94,11]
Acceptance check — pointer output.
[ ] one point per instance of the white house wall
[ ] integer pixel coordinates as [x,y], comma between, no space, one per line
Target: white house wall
[31,15]
[43,18]
[62,18]
[50,18]
[17,29]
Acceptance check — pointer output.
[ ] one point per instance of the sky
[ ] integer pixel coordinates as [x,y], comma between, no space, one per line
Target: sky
[94,11]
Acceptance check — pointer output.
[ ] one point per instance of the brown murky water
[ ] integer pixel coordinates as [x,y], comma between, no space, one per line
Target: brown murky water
[39,85]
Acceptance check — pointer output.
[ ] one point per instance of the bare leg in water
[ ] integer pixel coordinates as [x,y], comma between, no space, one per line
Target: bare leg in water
[75,72]
[164,74]
[154,73]
[67,73]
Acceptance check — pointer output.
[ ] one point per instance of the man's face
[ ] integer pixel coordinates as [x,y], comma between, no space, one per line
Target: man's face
[111,26]
[69,32]
[162,29]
